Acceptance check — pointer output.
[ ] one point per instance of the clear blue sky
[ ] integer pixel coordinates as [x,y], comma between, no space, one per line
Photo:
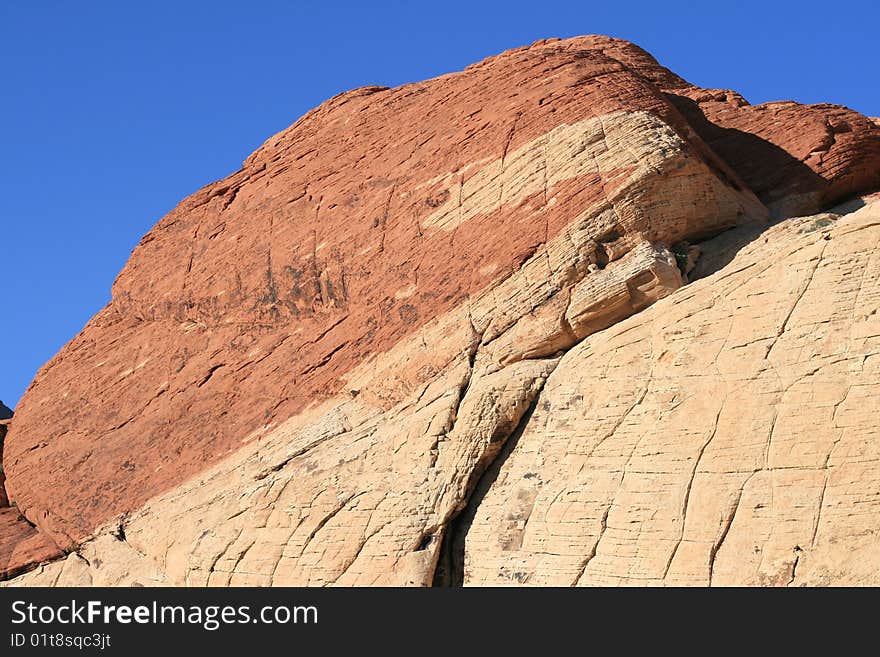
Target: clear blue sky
[114,111]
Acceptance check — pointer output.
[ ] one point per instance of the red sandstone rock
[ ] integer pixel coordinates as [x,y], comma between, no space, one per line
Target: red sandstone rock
[4,501]
[253,299]
[797,158]
[21,545]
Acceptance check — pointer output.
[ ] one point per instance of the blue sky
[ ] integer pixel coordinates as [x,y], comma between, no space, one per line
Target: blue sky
[112,112]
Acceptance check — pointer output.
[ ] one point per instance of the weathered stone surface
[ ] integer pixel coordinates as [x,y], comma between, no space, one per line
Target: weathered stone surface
[723,436]
[726,436]
[255,298]
[798,159]
[338,365]
[812,156]
[21,545]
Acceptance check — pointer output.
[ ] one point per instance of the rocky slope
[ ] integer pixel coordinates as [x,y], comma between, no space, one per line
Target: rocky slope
[403,356]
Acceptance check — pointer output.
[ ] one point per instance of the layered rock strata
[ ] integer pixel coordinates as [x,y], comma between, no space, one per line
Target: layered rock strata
[378,356]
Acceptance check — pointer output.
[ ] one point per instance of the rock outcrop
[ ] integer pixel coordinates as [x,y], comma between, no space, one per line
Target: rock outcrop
[22,546]
[4,501]
[426,355]
[726,436]
[798,159]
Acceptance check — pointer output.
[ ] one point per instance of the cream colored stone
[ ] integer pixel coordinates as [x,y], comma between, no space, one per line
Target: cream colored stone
[725,436]
[354,497]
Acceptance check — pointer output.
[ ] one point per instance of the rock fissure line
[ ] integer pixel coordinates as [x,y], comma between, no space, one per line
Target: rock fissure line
[690,484]
[603,526]
[728,523]
[449,568]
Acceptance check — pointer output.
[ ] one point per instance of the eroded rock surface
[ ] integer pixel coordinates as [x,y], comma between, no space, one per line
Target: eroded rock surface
[256,297]
[312,371]
[22,546]
[726,436]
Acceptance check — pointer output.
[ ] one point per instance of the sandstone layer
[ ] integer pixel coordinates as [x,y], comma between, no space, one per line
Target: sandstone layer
[725,436]
[378,356]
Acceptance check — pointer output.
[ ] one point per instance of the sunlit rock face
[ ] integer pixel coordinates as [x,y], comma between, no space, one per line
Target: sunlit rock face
[483,329]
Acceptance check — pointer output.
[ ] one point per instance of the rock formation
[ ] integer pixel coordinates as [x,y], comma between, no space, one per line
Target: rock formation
[22,546]
[466,350]
[732,441]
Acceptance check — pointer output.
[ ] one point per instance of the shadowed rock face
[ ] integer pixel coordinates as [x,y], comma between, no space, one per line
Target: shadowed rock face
[306,368]
[5,411]
[798,159]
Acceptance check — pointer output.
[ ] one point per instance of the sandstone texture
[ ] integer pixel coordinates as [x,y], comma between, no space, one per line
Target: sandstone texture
[22,546]
[798,159]
[540,332]
[732,441]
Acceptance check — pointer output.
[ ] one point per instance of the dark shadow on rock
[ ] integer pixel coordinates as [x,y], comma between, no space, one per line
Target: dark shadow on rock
[848,206]
[782,182]
[450,563]
[720,251]
[787,186]
[5,411]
